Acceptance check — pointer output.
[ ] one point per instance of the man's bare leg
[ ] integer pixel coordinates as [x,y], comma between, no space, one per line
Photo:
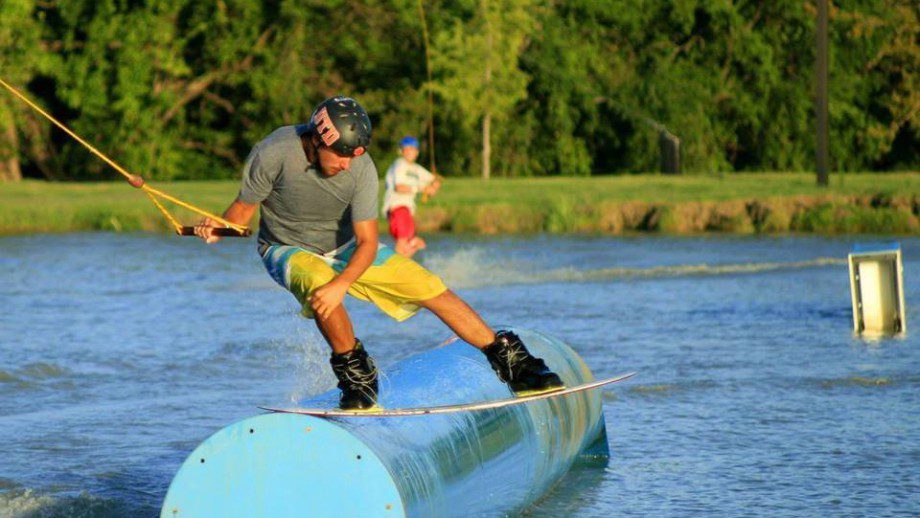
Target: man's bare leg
[461,318]
[353,367]
[403,248]
[337,330]
[523,373]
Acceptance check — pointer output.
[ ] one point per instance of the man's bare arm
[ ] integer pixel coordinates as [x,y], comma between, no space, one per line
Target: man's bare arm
[365,252]
[238,212]
[328,297]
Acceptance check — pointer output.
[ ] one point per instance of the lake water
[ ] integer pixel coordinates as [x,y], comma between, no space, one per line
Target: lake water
[120,353]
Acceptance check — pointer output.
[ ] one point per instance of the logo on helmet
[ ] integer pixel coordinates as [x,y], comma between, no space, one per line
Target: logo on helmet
[359,151]
[324,127]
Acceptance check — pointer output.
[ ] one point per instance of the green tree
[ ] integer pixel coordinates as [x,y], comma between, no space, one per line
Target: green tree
[874,99]
[371,51]
[476,66]
[22,58]
[178,89]
[144,81]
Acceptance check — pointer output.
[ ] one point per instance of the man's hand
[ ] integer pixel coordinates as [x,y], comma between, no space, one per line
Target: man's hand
[432,188]
[204,230]
[238,212]
[328,297]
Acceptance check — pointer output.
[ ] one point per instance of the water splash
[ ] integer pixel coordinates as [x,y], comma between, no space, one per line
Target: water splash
[26,502]
[312,372]
[472,268]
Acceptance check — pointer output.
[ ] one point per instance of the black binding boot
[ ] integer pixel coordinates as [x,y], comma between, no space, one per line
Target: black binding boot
[357,376]
[524,373]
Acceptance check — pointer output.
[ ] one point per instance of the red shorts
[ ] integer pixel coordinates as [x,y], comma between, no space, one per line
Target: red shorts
[402,226]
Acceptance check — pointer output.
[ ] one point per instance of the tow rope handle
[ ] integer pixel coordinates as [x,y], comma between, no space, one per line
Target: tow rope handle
[217,231]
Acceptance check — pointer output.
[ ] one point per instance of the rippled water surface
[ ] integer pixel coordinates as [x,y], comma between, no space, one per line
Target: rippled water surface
[120,353]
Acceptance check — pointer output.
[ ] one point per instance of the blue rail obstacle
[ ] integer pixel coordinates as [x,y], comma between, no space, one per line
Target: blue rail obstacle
[483,463]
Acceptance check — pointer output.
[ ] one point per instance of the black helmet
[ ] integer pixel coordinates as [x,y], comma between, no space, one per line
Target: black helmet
[343,125]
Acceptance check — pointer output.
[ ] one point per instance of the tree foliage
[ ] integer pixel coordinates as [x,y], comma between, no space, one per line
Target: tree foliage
[22,57]
[179,89]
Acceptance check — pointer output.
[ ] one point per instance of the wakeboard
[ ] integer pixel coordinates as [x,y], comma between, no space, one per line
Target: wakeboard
[448,409]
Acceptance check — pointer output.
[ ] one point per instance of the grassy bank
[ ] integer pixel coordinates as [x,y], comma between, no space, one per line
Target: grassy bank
[742,203]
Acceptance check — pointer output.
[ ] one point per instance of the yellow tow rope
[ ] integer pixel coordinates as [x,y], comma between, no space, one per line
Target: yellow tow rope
[232,229]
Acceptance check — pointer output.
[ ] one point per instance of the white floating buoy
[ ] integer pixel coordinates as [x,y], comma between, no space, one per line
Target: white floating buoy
[877,290]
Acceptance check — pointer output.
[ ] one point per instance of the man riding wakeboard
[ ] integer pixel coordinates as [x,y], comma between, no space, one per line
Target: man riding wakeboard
[316,188]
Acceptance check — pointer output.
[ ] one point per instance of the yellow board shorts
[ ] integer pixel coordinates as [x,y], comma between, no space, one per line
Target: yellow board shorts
[393,283]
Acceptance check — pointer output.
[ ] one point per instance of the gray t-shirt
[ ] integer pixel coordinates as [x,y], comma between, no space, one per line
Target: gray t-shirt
[300,206]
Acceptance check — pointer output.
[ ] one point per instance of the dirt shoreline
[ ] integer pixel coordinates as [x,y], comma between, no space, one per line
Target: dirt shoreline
[826,214]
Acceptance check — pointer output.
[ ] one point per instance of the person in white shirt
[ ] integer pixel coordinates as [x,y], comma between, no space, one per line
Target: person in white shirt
[404,179]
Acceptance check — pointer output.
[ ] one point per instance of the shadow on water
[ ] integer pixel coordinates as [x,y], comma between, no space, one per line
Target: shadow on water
[577,493]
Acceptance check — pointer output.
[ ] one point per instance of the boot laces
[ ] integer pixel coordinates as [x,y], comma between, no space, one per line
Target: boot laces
[353,371]
[518,360]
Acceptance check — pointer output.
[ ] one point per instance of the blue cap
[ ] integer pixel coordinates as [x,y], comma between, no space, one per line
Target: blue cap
[408,142]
